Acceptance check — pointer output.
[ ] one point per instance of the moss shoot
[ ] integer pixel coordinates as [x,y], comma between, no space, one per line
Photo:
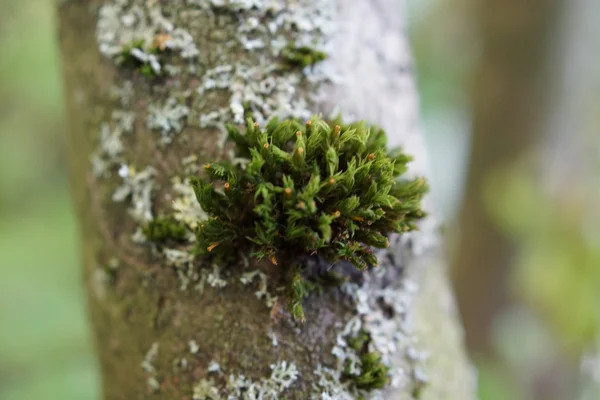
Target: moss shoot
[373,372]
[162,230]
[313,188]
[135,55]
[302,56]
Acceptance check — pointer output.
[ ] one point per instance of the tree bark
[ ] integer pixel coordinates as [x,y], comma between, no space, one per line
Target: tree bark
[171,328]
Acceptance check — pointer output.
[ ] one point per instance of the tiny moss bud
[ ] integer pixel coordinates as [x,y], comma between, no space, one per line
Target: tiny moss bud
[300,150]
[207,166]
[331,181]
[160,41]
[226,186]
[287,191]
[266,145]
[371,156]
[301,205]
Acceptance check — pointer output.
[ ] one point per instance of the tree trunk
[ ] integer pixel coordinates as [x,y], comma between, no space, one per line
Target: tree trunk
[166,326]
[508,101]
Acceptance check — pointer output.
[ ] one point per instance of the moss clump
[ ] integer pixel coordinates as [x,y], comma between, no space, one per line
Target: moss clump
[142,64]
[373,373]
[314,188]
[162,230]
[302,56]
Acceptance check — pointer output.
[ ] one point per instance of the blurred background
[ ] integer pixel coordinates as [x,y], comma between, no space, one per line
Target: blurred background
[510,94]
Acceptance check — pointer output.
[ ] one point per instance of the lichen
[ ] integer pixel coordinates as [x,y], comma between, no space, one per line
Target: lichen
[283,375]
[129,32]
[169,119]
[148,367]
[138,188]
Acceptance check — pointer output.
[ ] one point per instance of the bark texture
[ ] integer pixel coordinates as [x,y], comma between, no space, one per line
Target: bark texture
[166,328]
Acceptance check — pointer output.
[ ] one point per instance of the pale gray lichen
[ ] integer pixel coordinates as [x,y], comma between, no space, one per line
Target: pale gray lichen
[186,208]
[183,262]
[169,119]
[110,149]
[138,187]
[148,367]
[122,22]
[239,387]
[214,366]
[262,292]
[214,278]
[206,390]
[190,165]
[194,348]
[329,385]
[149,359]
[383,311]
[264,88]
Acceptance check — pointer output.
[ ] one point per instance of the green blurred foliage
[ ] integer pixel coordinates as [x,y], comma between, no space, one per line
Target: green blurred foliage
[558,265]
[45,349]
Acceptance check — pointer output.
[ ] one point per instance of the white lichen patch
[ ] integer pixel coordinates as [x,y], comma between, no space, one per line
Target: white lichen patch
[169,119]
[149,359]
[263,86]
[383,312]
[194,348]
[186,208]
[137,187]
[110,149]
[214,278]
[347,358]
[214,366]
[148,367]
[206,390]
[262,292]
[123,22]
[239,387]
[329,385]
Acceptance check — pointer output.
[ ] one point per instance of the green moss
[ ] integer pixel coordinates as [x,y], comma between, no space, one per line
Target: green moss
[373,373]
[127,59]
[359,342]
[314,188]
[161,230]
[299,290]
[302,56]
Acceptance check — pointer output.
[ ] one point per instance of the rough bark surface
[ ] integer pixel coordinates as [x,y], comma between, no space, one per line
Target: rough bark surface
[155,340]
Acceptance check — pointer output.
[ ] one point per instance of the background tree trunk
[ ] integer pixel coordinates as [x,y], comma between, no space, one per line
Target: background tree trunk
[510,91]
[162,324]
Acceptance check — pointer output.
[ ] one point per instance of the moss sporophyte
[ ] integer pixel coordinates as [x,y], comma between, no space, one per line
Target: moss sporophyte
[330,189]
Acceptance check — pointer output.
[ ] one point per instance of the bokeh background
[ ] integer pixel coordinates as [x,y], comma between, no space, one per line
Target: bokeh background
[511,111]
